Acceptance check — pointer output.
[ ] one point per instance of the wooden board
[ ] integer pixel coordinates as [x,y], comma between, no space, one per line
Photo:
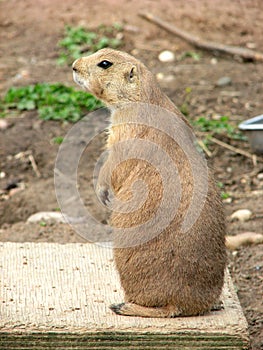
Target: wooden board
[57,296]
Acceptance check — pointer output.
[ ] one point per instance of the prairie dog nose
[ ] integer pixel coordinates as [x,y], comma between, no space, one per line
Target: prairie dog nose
[74,65]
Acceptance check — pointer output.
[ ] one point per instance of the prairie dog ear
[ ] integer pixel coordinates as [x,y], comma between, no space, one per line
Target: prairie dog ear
[133,73]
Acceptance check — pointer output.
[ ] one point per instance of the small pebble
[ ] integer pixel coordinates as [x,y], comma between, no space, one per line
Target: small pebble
[14,191]
[224,81]
[228,200]
[217,116]
[260,176]
[131,28]
[251,46]
[249,106]
[2,175]
[214,61]
[22,75]
[166,56]
[242,215]
[3,124]
[135,52]
[119,36]
[159,76]
[165,78]
[230,93]
[201,109]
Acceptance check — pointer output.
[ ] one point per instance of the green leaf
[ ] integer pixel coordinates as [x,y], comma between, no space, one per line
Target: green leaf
[221,125]
[42,223]
[26,105]
[77,38]
[53,101]
[225,195]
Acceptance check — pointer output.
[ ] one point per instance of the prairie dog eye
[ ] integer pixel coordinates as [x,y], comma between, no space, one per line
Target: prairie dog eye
[105,64]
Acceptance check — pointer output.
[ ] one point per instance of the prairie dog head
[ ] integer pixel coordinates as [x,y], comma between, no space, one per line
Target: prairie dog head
[112,76]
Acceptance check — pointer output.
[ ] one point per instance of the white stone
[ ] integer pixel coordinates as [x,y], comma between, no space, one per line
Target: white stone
[166,56]
[242,215]
[224,81]
[46,216]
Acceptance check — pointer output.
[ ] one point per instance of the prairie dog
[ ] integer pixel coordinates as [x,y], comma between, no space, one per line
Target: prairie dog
[178,271]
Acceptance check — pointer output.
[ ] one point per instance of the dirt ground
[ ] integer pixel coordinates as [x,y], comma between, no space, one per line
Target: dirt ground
[29,33]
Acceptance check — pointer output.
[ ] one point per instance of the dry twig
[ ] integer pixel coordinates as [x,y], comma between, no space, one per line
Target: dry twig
[27,155]
[235,149]
[204,148]
[251,194]
[34,165]
[244,53]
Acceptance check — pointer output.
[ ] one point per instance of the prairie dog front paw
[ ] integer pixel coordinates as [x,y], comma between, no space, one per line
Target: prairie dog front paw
[103,194]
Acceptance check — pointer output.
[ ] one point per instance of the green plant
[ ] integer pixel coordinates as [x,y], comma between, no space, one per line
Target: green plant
[220,125]
[52,101]
[77,40]
[42,223]
[184,108]
[193,54]
[58,140]
[224,195]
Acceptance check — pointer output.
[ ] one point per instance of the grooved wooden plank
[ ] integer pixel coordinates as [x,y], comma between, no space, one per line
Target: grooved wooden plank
[56,296]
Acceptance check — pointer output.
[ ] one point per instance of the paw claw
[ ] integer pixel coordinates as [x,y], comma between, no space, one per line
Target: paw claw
[117,308]
[218,306]
[104,196]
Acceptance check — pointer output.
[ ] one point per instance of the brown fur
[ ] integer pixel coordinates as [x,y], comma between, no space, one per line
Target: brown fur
[176,272]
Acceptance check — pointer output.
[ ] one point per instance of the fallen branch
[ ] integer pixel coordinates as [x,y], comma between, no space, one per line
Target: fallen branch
[251,194]
[235,149]
[246,54]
